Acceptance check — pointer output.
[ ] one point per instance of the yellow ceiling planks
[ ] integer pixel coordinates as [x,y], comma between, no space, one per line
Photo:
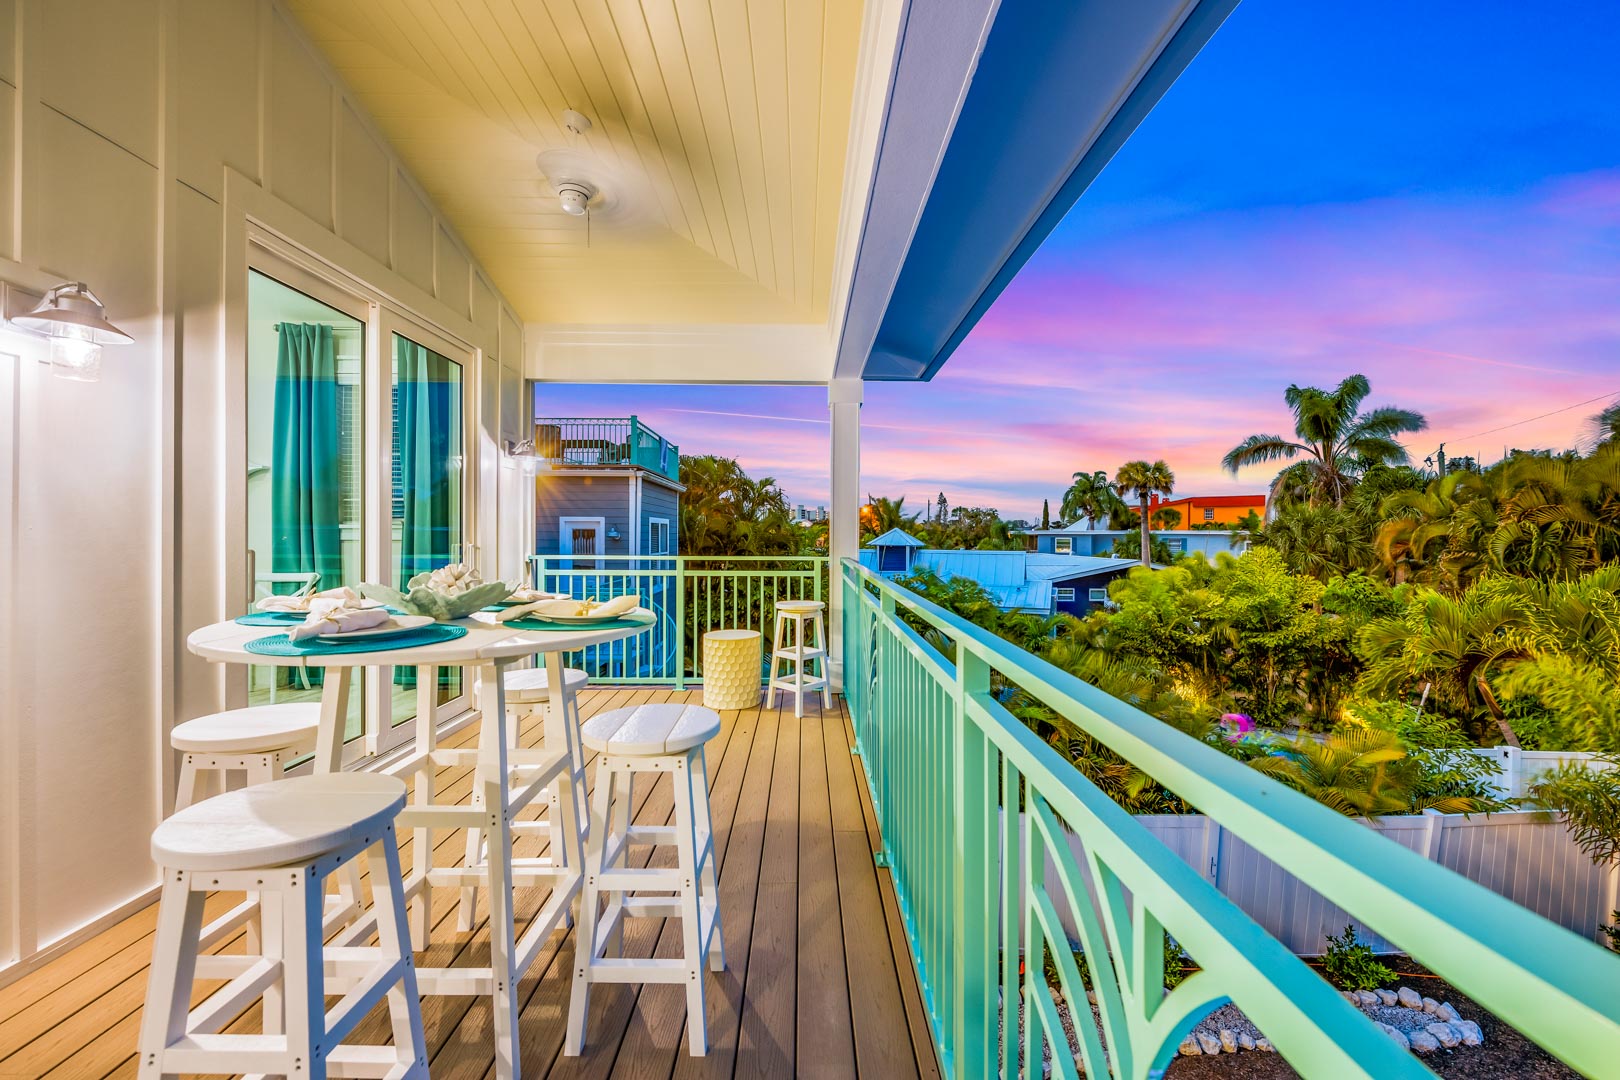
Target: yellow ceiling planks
[719,125]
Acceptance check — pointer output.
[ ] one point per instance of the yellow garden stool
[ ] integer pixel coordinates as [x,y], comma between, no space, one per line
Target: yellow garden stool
[731,663]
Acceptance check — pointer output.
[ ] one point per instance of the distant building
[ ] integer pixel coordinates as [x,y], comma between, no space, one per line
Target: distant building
[1210,509]
[608,487]
[1031,582]
[1078,540]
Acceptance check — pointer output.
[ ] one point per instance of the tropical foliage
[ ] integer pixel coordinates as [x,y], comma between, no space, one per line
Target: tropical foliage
[1143,480]
[724,511]
[1091,496]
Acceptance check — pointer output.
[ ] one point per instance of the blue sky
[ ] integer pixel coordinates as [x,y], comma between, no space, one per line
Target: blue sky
[1425,193]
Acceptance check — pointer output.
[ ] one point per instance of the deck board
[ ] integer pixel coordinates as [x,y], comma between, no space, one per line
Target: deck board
[818,981]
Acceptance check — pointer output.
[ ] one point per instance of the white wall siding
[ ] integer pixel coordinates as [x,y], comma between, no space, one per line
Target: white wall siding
[124,127]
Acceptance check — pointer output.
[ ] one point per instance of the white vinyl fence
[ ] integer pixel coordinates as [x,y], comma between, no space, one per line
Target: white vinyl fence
[1518,769]
[1528,857]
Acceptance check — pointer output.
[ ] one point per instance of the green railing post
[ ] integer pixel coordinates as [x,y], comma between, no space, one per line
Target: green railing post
[973,815]
[680,622]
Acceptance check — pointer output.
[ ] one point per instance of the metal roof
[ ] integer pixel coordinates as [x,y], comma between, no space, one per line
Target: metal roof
[895,538]
[1043,567]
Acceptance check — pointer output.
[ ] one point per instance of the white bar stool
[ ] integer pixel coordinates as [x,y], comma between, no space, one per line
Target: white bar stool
[654,739]
[258,741]
[282,840]
[807,646]
[526,689]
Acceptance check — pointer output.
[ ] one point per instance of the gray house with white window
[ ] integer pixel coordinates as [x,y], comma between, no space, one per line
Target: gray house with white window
[605,487]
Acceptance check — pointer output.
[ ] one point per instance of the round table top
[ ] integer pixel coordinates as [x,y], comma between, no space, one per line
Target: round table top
[485,640]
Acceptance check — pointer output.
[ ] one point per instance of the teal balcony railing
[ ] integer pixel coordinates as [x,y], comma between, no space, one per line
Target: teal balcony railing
[947,764]
[690,596]
[611,440]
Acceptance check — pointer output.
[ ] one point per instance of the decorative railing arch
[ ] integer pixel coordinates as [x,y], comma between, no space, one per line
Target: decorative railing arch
[948,765]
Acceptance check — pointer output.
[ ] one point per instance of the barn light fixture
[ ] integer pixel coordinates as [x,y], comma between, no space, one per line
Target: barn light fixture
[75,321]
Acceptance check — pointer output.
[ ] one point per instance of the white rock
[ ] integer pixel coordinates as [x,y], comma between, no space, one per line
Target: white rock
[1350,996]
[1422,1042]
[1189,1047]
[1445,1033]
[1471,1035]
[1396,1034]
[1228,1040]
[1263,1044]
[1447,1013]
[1367,997]
[1409,997]
[1431,1006]
[1208,1043]
[1387,997]
[1245,1041]
[1091,996]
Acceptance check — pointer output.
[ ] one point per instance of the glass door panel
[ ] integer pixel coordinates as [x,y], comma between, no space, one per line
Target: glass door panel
[428,488]
[306,514]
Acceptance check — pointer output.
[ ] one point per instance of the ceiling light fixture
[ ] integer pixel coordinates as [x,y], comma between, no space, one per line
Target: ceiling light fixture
[575,196]
[75,320]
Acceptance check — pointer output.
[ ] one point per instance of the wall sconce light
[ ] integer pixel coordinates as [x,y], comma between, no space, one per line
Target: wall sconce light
[75,320]
[613,533]
[522,451]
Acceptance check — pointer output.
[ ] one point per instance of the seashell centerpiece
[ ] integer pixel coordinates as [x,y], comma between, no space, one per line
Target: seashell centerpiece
[450,592]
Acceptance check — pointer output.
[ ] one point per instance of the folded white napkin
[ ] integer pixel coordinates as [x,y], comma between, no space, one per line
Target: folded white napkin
[525,595]
[336,617]
[567,607]
[307,601]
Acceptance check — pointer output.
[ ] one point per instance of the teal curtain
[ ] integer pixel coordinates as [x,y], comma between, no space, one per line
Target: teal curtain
[306,486]
[427,433]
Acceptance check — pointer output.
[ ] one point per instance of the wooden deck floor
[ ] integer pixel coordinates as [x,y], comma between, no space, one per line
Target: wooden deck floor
[818,979]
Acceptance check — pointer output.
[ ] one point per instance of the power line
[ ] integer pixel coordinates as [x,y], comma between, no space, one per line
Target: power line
[1543,416]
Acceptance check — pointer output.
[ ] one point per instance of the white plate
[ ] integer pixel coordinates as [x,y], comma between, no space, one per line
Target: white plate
[305,609]
[399,624]
[579,620]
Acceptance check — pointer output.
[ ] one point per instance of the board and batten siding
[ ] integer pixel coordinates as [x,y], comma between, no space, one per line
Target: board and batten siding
[559,496]
[658,501]
[137,139]
[1527,856]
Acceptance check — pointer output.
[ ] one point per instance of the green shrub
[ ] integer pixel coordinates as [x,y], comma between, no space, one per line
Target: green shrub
[1350,965]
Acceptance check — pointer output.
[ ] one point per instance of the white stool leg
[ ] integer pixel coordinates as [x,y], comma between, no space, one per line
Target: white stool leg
[624,802]
[186,791]
[404,1012]
[776,647]
[585,925]
[303,973]
[697,1028]
[821,662]
[174,964]
[709,878]
[799,673]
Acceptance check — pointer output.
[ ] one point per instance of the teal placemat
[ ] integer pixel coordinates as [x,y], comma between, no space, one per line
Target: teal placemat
[278,645]
[271,618]
[536,624]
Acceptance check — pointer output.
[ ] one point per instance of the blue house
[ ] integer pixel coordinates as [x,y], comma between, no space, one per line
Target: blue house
[1033,582]
[1076,540]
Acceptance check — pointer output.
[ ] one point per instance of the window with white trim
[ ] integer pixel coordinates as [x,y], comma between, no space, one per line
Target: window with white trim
[1063,545]
[1098,596]
[1209,513]
[658,536]
[1063,596]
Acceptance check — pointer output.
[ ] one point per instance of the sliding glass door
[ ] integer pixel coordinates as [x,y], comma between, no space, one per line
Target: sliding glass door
[429,493]
[357,428]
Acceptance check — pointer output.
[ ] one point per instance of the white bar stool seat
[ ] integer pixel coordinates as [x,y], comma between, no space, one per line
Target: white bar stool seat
[531,686]
[258,741]
[281,841]
[805,649]
[665,738]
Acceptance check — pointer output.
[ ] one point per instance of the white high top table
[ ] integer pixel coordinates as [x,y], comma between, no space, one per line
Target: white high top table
[505,780]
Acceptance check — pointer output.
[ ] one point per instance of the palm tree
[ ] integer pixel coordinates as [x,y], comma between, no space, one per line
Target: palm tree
[1145,481]
[1605,426]
[1337,439]
[880,515]
[1453,645]
[1091,496]
[1318,541]
[1360,772]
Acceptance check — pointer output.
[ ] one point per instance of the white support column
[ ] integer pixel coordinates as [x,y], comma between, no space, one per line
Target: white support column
[844,513]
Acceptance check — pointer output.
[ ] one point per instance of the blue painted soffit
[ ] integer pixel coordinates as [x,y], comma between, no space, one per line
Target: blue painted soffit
[1044,93]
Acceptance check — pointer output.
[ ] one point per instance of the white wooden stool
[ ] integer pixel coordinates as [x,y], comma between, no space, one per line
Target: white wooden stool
[281,840]
[525,689]
[807,646]
[648,739]
[258,741]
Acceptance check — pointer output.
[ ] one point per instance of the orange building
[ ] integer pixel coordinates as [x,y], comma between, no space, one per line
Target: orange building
[1210,510]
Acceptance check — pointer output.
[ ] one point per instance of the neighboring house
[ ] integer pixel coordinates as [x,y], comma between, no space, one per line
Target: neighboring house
[1077,540]
[608,487]
[1040,584]
[1206,510]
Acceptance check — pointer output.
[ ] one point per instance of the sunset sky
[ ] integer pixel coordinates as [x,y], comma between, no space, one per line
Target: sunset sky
[1427,193]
